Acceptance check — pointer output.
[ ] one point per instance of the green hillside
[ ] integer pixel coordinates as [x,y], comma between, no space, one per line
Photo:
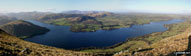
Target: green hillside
[105,21]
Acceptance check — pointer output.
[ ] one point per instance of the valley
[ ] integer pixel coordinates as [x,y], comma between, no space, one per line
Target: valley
[95,27]
[105,21]
[101,38]
[149,42]
[92,34]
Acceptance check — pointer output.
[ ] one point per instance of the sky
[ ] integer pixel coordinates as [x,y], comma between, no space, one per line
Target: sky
[153,6]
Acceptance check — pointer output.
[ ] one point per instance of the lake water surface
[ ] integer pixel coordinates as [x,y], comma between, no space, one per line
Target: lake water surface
[62,37]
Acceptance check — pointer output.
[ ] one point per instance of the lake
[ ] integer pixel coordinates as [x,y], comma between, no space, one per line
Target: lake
[62,37]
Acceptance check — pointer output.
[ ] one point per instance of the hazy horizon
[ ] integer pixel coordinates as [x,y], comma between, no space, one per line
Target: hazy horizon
[148,6]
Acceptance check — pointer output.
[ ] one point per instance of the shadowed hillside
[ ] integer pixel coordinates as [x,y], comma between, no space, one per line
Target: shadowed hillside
[189,43]
[23,29]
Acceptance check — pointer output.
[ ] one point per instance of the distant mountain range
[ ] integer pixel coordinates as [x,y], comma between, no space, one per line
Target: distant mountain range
[12,24]
[28,15]
[159,43]
[36,15]
[81,12]
[6,19]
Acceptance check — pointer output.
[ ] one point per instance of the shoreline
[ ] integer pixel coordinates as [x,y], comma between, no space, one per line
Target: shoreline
[140,38]
[112,46]
[111,28]
[16,45]
[128,39]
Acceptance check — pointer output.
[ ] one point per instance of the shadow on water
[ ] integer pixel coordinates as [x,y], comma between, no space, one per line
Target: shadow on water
[188,50]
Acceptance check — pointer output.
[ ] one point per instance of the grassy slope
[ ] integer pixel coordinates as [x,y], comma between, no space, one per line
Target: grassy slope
[10,45]
[144,42]
[166,46]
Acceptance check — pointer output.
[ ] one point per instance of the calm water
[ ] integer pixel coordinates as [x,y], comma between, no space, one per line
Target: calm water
[62,37]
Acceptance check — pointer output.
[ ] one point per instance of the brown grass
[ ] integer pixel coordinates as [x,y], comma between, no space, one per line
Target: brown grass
[165,47]
[10,45]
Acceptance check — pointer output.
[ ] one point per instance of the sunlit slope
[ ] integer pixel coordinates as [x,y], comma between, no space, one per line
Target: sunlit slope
[11,45]
[166,46]
[148,42]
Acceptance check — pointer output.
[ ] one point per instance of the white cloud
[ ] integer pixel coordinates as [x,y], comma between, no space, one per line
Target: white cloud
[51,9]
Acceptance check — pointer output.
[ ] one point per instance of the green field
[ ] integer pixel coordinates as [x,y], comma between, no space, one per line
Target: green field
[144,42]
[109,22]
